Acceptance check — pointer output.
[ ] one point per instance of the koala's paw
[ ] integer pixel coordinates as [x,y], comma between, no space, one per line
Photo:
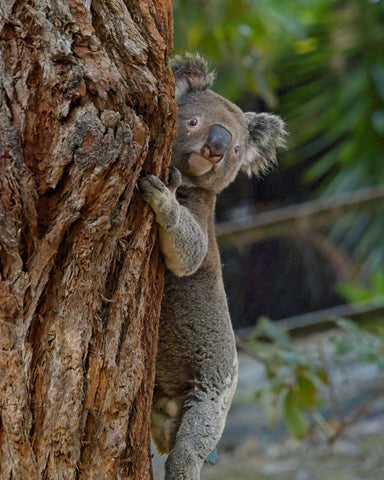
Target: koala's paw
[153,189]
[161,198]
[174,179]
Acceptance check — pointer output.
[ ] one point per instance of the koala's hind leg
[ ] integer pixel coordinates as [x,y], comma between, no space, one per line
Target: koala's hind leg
[200,429]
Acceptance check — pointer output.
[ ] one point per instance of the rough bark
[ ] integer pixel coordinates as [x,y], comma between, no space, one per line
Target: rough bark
[86,102]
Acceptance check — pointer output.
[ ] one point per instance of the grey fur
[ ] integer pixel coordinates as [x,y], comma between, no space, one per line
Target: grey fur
[196,370]
[191,73]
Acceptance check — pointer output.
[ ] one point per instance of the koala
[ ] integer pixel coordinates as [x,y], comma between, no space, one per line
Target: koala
[196,367]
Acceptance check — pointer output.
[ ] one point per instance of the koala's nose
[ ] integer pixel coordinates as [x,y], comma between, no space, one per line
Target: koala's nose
[217,143]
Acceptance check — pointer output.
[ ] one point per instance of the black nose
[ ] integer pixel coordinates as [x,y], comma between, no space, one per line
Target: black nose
[217,143]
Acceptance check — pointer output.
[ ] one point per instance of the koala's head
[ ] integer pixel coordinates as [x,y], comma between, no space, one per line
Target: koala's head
[214,137]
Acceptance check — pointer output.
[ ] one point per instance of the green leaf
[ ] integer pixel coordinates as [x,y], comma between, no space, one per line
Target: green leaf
[322,375]
[378,282]
[306,391]
[293,358]
[294,416]
[273,331]
[354,293]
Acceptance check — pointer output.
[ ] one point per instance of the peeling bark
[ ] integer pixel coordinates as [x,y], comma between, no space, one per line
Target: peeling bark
[86,103]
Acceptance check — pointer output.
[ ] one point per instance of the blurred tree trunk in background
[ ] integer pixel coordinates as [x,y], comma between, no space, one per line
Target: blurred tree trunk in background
[86,102]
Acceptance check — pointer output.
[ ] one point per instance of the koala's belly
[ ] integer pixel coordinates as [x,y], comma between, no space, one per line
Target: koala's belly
[196,342]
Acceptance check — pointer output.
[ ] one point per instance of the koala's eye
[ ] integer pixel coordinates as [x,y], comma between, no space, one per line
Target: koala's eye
[237,148]
[193,122]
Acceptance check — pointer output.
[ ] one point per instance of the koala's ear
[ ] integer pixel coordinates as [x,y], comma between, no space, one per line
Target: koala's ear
[266,133]
[191,73]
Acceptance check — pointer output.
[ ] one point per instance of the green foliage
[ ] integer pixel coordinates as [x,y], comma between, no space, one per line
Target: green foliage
[245,38]
[293,378]
[297,382]
[325,56]
[355,293]
[294,416]
[336,109]
[320,64]
[364,346]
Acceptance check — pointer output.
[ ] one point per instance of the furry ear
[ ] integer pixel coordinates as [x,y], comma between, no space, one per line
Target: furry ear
[191,73]
[266,134]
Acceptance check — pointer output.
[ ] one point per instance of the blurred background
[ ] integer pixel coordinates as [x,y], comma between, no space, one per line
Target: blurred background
[320,65]
[303,248]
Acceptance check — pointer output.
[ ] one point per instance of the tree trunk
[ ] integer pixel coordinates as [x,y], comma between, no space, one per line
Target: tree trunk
[86,102]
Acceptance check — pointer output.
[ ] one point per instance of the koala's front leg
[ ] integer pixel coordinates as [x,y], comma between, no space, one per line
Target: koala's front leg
[183,241]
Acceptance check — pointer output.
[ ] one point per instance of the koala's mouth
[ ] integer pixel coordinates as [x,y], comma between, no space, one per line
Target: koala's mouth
[199,165]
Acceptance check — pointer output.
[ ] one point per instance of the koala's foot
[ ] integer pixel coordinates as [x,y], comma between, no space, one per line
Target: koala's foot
[165,417]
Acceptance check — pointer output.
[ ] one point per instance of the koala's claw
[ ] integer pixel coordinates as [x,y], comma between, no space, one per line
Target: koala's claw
[151,187]
[150,182]
[155,192]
